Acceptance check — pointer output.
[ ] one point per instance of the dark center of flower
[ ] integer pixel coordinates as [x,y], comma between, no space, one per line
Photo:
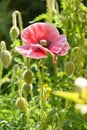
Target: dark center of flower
[44,43]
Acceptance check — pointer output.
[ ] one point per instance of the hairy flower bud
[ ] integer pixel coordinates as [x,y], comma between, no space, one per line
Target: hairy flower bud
[69,68]
[28,76]
[6,58]
[14,33]
[21,103]
[2,46]
[25,89]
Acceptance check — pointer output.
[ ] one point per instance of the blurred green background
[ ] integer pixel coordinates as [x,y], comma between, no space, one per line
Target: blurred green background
[28,8]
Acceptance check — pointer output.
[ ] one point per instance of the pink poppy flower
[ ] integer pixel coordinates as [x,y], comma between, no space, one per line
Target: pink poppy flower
[41,39]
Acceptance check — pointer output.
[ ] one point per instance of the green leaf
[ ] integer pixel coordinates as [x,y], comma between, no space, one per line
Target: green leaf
[16,43]
[78,118]
[40,17]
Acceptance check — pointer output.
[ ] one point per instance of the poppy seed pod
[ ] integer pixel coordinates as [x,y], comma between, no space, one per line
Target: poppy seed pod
[28,76]
[69,68]
[14,32]
[6,58]
[21,103]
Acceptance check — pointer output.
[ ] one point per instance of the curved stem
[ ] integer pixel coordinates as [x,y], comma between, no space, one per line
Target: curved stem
[14,21]
[14,15]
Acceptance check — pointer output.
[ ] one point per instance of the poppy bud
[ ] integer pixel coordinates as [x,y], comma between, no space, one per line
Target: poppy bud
[69,68]
[14,32]
[6,58]
[2,45]
[25,89]
[28,76]
[21,103]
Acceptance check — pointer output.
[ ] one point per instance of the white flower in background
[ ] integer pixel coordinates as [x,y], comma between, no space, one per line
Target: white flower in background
[82,108]
[81,82]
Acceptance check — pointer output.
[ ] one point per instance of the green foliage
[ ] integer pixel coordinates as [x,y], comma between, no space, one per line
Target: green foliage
[5,19]
[59,111]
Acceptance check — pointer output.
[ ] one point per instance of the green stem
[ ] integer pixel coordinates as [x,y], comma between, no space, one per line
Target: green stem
[55,69]
[14,15]
[49,10]
[28,119]
[28,63]
[14,21]
[42,95]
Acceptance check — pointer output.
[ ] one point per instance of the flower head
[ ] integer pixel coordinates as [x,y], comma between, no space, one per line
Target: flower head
[40,39]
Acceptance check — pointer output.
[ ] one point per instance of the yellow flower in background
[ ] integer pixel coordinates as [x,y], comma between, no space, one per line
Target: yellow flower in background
[84,94]
[46,90]
[79,97]
[45,85]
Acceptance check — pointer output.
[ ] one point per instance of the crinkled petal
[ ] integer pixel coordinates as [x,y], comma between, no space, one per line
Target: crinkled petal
[60,46]
[64,50]
[38,31]
[46,50]
[33,51]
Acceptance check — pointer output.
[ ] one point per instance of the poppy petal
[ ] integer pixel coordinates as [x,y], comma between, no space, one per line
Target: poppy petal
[46,50]
[59,45]
[32,52]
[64,50]
[38,31]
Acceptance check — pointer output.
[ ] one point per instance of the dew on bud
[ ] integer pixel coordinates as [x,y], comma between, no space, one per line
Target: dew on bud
[14,32]
[69,68]
[21,103]
[28,76]
[6,58]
